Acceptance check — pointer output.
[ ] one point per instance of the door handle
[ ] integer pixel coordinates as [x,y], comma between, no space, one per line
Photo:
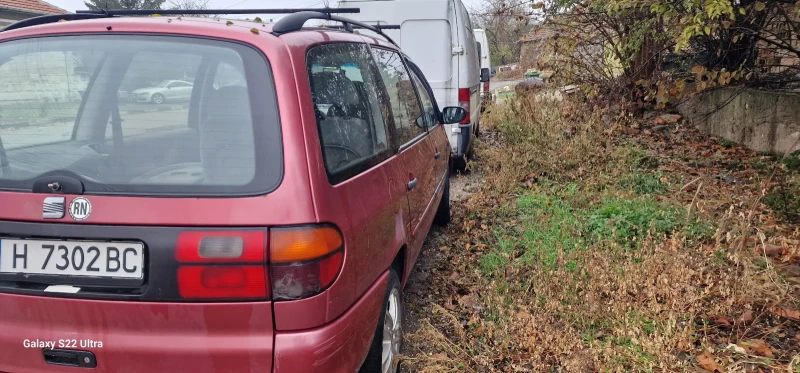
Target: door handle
[412,184]
[436,156]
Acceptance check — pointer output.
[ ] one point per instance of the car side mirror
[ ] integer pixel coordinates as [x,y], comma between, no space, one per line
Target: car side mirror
[485,75]
[453,114]
[420,122]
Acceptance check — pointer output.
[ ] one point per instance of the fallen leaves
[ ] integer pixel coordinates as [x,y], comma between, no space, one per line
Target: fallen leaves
[788,313]
[745,318]
[707,362]
[758,347]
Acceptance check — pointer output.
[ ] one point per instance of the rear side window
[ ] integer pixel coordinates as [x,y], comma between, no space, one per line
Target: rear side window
[347,103]
[406,109]
[428,105]
[151,115]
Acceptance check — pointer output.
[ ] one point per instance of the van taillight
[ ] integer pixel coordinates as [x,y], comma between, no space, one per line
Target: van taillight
[463,101]
[222,265]
[304,261]
[486,86]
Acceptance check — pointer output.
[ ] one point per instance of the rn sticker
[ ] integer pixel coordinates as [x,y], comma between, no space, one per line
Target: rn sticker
[80,208]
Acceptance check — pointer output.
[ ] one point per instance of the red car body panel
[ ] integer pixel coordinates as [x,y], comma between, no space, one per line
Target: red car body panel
[138,337]
[330,332]
[337,347]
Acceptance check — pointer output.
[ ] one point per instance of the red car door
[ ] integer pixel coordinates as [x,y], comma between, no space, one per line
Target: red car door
[411,134]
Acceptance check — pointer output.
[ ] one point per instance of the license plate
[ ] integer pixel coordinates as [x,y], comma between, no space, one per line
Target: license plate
[72,258]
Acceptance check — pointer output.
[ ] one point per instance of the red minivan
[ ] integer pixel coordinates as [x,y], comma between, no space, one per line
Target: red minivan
[199,195]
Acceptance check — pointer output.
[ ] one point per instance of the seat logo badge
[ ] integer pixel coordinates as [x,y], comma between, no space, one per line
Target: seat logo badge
[53,207]
[80,208]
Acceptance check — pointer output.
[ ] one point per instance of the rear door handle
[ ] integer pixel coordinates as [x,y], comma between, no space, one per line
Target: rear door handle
[436,156]
[412,184]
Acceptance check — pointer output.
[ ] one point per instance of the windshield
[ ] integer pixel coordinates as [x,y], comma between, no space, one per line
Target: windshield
[74,106]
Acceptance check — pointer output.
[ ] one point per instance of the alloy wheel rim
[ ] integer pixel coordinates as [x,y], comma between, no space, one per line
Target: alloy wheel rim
[392,332]
[158,99]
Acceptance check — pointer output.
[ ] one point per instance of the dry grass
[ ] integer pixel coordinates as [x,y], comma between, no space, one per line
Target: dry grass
[587,250]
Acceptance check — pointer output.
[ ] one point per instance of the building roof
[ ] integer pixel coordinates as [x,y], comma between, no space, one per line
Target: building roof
[37,7]
[538,33]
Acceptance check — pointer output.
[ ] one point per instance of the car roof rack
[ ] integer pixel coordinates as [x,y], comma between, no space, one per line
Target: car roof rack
[41,20]
[295,22]
[105,13]
[179,12]
[382,27]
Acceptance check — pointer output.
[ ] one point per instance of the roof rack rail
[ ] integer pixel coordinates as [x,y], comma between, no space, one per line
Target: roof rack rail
[41,20]
[167,12]
[295,22]
[381,27]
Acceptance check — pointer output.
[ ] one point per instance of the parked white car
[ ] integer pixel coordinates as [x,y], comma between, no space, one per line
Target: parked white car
[167,90]
[438,36]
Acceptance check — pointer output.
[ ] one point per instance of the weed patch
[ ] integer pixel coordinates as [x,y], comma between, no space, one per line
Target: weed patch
[645,183]
[578,254]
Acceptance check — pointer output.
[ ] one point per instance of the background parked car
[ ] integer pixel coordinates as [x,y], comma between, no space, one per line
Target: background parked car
[167,90]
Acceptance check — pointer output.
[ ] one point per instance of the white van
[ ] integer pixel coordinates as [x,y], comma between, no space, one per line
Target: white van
[486,63]
[438,36]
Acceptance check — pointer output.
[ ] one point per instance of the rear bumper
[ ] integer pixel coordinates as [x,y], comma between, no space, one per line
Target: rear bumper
[137,336]
[340,346]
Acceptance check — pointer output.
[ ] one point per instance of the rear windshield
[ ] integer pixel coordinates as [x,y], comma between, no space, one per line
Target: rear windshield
[138,115]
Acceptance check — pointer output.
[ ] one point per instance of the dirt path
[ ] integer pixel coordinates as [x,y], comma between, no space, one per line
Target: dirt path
[418,295]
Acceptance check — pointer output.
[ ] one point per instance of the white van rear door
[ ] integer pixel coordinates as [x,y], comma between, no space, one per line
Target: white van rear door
[434,55]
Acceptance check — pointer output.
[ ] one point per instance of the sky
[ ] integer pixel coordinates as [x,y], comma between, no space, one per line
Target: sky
[73,5]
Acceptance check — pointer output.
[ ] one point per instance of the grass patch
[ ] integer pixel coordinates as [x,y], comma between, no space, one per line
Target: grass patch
[645,183]
[627,221]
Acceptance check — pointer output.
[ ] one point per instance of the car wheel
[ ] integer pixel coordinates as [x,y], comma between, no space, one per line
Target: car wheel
[157,98]
[460,164]
[385,347]
[442,216]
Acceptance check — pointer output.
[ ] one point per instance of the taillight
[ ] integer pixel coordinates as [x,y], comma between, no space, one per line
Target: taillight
[218,282]
[222,265]
[304,261]
[486,86]
[463,101]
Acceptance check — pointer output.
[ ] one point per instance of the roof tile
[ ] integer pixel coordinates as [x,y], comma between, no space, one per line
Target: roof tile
[32,6]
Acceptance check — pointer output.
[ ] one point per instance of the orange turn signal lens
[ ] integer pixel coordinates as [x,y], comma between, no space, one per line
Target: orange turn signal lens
[298,244]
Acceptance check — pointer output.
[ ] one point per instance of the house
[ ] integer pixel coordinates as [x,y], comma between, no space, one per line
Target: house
[534,43]
[12,11]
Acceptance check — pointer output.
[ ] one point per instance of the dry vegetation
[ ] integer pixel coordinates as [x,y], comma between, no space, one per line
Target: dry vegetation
[602,244]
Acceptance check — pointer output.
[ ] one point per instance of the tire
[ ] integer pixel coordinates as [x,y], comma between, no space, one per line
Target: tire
[460,164]
[157,98]
[442,216]
[392,302]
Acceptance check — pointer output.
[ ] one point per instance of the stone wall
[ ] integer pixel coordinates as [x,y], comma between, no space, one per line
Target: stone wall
[761,120]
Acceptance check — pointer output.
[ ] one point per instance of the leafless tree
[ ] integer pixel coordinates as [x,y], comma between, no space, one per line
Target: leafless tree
[505,23]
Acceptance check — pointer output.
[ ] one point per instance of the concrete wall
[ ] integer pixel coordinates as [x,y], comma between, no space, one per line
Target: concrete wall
[763,121]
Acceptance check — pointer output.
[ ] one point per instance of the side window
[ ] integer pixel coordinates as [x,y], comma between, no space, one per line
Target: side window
[344,88]
[406,109]
[428,106]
